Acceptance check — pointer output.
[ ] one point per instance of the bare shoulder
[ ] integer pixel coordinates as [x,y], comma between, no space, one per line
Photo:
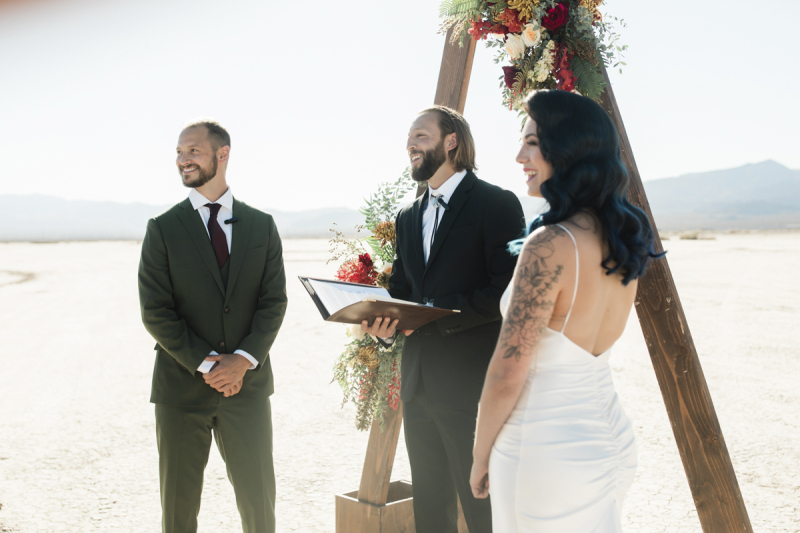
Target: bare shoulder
[546,254]
[548,244]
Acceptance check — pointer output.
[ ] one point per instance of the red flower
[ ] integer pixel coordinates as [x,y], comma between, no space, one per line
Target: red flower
[359,270]
[510,75]
[563,73]
[510,17]
[480,29]
[566,80]
[556,17]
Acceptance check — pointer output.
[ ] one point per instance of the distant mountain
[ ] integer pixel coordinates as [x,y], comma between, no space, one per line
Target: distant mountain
[761,195]
[46,218]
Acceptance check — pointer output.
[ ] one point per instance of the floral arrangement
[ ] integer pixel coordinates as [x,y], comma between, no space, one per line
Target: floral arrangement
[368,372]
[551,44]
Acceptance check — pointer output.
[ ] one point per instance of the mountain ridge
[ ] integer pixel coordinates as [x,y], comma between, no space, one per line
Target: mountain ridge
[758,195]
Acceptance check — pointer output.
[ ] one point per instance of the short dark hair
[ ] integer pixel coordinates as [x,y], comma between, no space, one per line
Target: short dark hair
[218,135]
[451,121]
[577,137]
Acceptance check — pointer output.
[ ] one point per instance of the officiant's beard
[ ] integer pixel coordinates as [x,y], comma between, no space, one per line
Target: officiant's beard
[204,175]
[432,160]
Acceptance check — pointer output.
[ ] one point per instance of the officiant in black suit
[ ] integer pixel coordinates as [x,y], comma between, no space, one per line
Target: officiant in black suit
[451,253]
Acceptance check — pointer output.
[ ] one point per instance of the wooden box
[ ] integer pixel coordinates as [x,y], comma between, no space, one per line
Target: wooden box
[396,516]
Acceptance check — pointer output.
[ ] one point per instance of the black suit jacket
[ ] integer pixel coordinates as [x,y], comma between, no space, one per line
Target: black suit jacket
[468,269]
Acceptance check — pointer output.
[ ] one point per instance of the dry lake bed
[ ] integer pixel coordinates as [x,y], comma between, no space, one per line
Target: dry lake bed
[77,436]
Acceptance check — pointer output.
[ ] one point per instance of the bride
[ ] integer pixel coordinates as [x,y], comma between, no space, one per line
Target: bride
[553,446]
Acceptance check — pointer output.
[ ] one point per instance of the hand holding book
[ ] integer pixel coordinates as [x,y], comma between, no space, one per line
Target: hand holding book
[353,303]
[383,327]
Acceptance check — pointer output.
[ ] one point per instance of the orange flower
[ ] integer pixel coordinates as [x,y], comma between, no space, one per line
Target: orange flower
[384,232]
[368,356]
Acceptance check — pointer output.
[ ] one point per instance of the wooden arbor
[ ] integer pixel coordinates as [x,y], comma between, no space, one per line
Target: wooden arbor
[705,458]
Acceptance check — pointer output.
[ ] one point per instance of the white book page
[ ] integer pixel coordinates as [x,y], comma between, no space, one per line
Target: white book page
[335,296]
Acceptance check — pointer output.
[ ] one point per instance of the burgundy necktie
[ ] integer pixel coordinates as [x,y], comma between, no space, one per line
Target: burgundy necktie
[218,240]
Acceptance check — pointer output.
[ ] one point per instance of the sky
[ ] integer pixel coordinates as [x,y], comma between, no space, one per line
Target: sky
[318,95]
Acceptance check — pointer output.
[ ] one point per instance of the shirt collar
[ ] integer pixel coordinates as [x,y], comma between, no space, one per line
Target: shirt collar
[448,187]
[198,200]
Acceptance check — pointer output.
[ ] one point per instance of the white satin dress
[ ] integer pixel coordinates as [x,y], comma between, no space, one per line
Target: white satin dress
[566,456]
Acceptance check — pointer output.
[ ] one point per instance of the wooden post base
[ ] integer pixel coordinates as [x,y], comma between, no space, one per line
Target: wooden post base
[395,516]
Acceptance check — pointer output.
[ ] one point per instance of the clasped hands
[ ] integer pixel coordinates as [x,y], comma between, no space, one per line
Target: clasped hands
[227,374]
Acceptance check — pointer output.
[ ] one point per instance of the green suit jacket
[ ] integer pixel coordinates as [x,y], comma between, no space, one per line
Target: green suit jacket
[189,311]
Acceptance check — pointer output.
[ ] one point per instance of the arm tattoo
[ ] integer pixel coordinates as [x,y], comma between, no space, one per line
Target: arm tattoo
[530,309]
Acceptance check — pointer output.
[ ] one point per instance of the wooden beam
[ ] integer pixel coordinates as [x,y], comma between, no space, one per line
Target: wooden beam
[705,457]
[454,73]
[374,489]
[379,461]
[375,476]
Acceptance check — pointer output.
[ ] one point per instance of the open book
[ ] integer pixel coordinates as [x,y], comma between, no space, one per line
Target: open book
[351,303]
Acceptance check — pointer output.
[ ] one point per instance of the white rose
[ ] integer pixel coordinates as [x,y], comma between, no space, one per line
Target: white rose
[515,46]
[531,34]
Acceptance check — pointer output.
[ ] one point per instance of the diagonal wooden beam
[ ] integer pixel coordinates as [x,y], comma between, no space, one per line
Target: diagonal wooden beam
[379,461]
[697,431]
[454,73]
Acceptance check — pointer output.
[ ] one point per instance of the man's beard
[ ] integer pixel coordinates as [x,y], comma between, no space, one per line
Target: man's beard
[203,176]
[432,160]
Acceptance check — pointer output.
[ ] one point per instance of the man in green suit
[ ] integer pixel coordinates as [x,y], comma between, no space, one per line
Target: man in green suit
[212,291]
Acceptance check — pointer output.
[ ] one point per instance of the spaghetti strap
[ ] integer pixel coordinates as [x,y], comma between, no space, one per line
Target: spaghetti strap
[577,272]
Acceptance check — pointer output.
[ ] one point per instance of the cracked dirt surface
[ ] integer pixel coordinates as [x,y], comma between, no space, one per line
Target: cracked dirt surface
[77,438]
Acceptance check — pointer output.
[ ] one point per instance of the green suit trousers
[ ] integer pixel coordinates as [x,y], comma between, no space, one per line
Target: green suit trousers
[243,433]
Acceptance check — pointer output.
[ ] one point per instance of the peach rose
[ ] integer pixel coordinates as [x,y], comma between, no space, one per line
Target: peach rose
[531,34]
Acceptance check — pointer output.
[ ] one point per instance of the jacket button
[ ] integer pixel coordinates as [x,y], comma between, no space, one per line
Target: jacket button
[222,344]
[227,309]
[448,330]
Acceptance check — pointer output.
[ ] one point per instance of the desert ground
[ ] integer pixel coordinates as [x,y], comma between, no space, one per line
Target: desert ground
[77,436]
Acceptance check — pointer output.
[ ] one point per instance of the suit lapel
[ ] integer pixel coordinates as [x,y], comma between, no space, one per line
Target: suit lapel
[194,226]
[240,236]
[459,198]
[416,231]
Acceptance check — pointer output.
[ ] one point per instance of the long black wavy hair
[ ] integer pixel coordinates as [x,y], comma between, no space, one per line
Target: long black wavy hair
[577,137]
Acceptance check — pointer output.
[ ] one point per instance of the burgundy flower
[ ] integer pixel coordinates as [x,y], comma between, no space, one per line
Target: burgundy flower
[556,17]
[365,260]
[510,75]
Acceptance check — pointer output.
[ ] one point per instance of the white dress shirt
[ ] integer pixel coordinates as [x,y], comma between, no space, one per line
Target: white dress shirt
[225,212]
[446,192]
